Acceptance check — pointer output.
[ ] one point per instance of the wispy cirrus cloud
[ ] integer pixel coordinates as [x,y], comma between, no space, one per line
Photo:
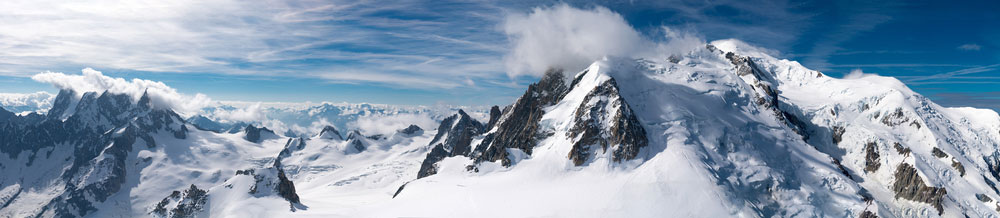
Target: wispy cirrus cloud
[945,77]
[970,47]
[429,40]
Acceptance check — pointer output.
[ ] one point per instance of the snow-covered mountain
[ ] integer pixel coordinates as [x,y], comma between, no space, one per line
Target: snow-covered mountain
[724,130]
[305,119]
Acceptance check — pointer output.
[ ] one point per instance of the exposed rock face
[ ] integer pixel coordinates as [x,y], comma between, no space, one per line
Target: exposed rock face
[983,198]
[900,149]
[254,134]
[292,145]
[871,157]
[412,130]
[958,166]
[518,127]
[993,164]
[182,205]
[867,214]
[454,138]
[766,93]
[838,134]
[286,189]
[356,141]
[910,186]
[937,152]
[6,115]
[895,118]
[400,190]
[269,181]
[204,123]
[99,131]
[376,137]
[495,114]
[605,119]
[329,132]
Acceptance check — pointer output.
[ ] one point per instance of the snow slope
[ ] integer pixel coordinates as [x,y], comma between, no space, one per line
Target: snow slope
[724,130]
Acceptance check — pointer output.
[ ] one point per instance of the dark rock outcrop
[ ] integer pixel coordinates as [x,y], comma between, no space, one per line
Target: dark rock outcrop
[983,198]
[910,186]
[5,115]
[838,134]
[286,189]
[376,137]
[958,166]
[495,114]
[272,180]
[601,106]
[454,138]
[329,132]
[518,127]
[895,118]
[871,157]
[412,130]
[867,214]
[186,204]
[937,152]
[98,130]
[357,141]
[900,149]
[256,135]
[400,190]
[766,92]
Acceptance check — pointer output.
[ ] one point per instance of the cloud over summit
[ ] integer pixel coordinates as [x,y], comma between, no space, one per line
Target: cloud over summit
[91,80]
[562,36]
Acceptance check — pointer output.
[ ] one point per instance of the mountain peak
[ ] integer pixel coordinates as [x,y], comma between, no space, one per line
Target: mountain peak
[329,132]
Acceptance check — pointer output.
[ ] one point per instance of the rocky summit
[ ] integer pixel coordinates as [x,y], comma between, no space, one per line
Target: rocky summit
[720,130]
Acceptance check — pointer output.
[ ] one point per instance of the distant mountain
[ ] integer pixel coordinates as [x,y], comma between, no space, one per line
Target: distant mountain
[303,120]
[26,103]
[723,130]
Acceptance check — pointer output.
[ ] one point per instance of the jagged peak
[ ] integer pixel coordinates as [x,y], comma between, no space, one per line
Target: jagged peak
[5,114]
[255,134]
[329,132]
[355,134]
[411,130]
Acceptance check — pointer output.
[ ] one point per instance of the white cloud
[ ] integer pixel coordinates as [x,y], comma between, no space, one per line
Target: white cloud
[91,80]
[569,38]
[857,74]
[388,124]
[303,39]
[970,47]
[251,113]
[27,102]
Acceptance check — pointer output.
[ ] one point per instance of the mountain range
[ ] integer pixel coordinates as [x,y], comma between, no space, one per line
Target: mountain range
[723,130]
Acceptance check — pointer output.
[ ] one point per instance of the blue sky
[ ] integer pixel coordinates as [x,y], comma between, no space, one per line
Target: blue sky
[452,52]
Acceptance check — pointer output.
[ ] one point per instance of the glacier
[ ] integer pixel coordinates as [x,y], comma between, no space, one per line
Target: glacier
[722,130]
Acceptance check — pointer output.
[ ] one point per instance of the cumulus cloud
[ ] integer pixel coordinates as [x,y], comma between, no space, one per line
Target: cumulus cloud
[857,74]
[388,124]
[250,113]
[565,37]
[970,47]
[27,102]
[569,38]
[91,80]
